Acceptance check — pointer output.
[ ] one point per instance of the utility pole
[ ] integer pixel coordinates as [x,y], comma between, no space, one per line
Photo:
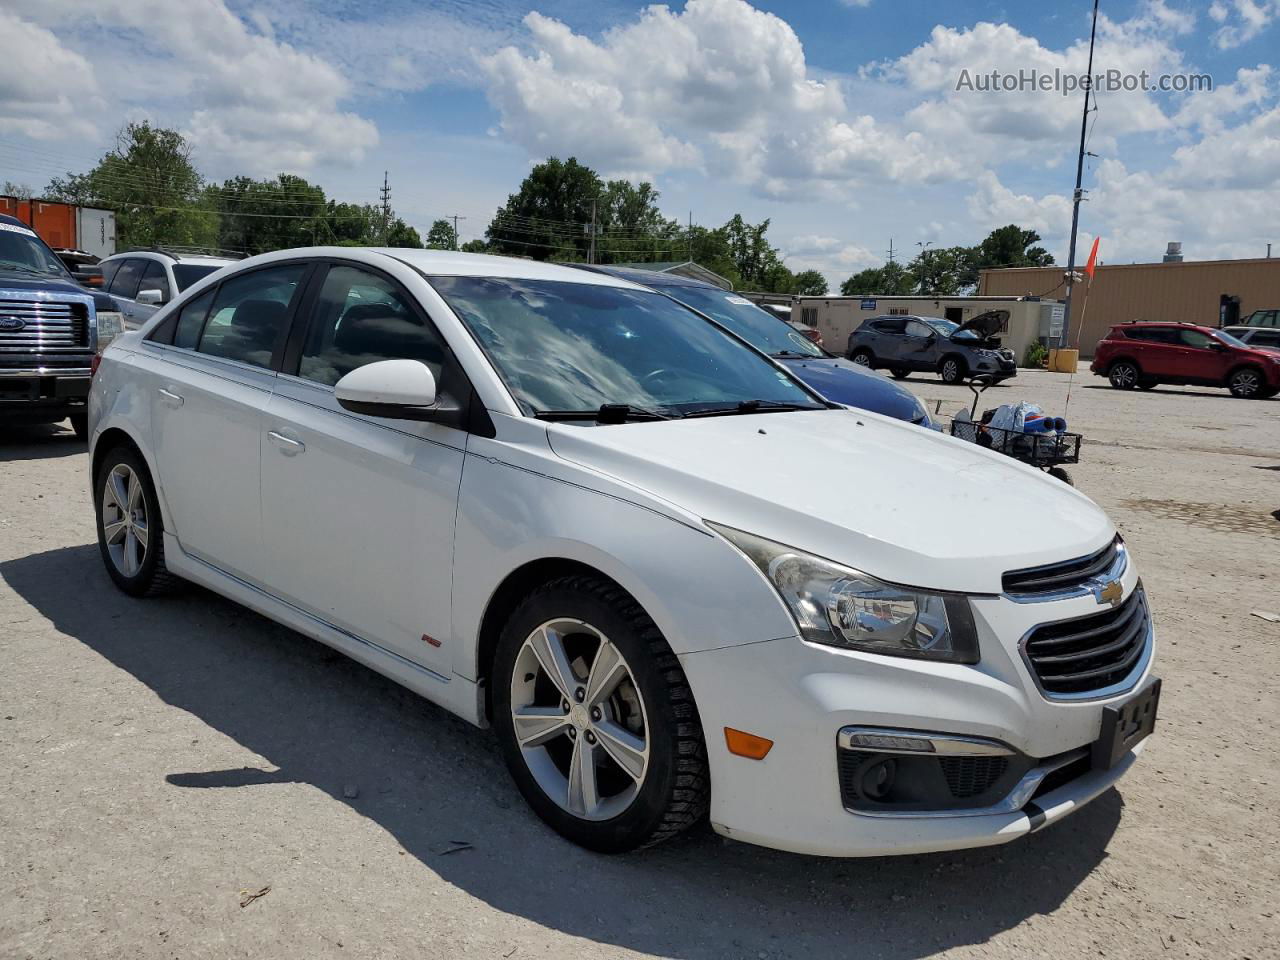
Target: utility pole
[591,248]
[455,218]
[1064,341]
[689,236]
[386,207]
[891,249]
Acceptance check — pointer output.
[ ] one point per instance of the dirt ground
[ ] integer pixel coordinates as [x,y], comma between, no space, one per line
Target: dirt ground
[162,761]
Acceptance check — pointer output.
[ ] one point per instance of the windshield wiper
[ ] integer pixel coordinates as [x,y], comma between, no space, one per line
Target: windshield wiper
[605,413]
[750,406]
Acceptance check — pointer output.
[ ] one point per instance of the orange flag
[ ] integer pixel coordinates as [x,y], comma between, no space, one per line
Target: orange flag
[1093,258]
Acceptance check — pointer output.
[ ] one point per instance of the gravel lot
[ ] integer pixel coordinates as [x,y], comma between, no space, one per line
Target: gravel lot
[164,760]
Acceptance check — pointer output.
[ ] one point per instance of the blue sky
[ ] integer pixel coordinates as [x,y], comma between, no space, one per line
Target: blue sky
[837,119]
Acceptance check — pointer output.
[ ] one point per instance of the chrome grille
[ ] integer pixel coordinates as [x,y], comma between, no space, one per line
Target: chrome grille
[45,325]
[1089,654]
[1070,576]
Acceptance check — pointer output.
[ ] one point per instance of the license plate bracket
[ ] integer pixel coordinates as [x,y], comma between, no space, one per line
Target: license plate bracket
[1125,725]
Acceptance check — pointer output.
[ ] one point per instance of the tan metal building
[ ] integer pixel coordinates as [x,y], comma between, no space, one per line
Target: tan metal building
[1209,292]
[836,317]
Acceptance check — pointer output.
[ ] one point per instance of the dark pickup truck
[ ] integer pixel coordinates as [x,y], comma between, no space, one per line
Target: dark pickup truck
[51,328]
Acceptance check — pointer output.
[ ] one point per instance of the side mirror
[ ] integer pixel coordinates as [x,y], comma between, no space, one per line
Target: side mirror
[149,298]
[394,389]
[1217,346]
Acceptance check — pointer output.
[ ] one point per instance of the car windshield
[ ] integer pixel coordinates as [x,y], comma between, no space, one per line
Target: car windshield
[575,347]
[185,274]
[948,328]
[764,331]
[22,251]
[1231,339]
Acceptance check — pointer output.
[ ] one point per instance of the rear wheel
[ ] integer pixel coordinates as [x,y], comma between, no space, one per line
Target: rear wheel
[1247,383]
[899,373]
[863,357]
[595,718]
[130,529]
[952,370]
[1123,375]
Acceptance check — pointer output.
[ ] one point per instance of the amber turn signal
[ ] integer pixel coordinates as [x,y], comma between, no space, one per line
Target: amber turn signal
[747,744]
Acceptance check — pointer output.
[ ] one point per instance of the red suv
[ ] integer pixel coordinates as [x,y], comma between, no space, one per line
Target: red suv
[1145,354]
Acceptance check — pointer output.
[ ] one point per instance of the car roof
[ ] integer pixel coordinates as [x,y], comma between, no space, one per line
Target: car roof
[452,263]
[1165,323]
[197,259]
[647,278]
[12,221]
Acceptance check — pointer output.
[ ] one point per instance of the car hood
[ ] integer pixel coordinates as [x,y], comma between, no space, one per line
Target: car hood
[849,383]
[908,505]
[14,280]
[984,325]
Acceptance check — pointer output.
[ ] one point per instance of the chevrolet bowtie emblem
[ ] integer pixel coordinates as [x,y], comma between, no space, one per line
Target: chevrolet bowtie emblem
[1109,592]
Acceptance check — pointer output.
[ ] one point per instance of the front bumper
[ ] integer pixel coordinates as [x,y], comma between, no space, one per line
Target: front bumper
[801,695]
[30,389]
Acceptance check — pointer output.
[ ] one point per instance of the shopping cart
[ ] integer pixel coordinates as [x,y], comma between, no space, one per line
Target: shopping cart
[1048,451]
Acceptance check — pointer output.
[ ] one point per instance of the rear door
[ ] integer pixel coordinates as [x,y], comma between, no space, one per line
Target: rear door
[1157,350]
[358,511]
[919,346]
[886,341]
[211,387]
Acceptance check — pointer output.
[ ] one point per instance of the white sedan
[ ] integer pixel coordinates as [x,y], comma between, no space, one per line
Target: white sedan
[674,581]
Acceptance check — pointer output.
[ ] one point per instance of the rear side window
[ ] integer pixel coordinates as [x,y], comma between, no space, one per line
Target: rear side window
[1264,338]
[185,274]
[125,282]
[890,325]
[191,321]
[154,278]
[249,314]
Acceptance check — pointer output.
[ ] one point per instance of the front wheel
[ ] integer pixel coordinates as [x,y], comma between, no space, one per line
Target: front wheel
[899,373]
[1247,384]
[596,720]
[952,370]
[130,529]
[863,357]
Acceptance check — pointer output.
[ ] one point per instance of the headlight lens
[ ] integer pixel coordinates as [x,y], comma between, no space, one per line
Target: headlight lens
[110,326]
[843,607]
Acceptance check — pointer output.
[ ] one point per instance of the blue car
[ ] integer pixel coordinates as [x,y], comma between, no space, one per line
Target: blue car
[840,381]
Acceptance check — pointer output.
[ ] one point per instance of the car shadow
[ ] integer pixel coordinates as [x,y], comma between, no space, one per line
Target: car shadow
[38,442]
[433,781]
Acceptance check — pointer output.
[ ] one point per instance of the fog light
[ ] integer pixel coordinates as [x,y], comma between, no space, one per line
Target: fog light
[875,778]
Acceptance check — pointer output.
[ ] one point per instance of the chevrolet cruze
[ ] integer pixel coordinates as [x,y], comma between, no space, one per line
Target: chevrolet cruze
[675,582]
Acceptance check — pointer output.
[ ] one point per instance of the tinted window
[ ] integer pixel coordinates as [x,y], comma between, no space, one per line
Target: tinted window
[109,268]
[1194,338]
[763,330]
[249,314]
[917,329]
[575,346]
[191,320]
[890,325]
[154,278]
[126,280]
[185,274]
[362,318]
[1265,338]
[21,251]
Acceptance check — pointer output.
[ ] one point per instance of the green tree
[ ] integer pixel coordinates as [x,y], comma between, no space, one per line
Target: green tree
[1010,246]
[256,216]
[808,283]
[400,234]
[151,184]
[890,280]
[442,236]
[946,272]
[350,224]
[475,246]
[19,190]
[543,218]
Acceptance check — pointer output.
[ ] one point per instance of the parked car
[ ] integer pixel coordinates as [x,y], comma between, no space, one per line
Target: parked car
[142,281]
[51,329]
[1145,355]
[82,265]
[669,576]
[904,344]
[1262,318]
[834,378]
[809,333]
[1260,338]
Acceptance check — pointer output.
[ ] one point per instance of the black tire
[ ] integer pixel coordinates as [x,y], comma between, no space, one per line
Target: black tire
[151,577]
[1247,383]
[863,358]
[1124,375]
[1061,473]
[951,369]
[80,424]
[675,788]
[900,374]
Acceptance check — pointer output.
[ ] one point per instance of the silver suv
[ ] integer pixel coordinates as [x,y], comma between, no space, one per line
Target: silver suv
[904,344]
[142,281]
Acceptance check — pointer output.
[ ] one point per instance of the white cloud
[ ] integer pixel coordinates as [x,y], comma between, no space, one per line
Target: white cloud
[249,103]
[834,258]
[1242,20]
[46,90]
[994,205]
[1209,110]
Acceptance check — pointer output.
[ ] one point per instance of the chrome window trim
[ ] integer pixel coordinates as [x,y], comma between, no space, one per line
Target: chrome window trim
[1130,680]
[1114,572]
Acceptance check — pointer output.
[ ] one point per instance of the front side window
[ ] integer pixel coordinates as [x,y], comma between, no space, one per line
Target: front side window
[574,347]
[185,274]
[1194,338]
[764,331]
[1265,338]
[249,314]
[362,318]
[125,283]
[154,278]
[917,329]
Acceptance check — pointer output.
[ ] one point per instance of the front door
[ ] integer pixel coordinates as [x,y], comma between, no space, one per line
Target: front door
[358,511]
[919,346]
[208,392]
[1202,357]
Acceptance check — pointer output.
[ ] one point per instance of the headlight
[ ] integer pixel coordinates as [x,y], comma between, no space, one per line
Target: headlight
[110,326]
[843,607]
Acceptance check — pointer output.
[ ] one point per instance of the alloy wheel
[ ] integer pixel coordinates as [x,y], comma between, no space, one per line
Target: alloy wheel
[125,526]
[1246,383]
[1124,376]
[579,719]
[862,359]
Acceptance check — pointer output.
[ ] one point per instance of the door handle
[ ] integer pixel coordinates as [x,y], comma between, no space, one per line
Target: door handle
[287,445]
[169,399]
